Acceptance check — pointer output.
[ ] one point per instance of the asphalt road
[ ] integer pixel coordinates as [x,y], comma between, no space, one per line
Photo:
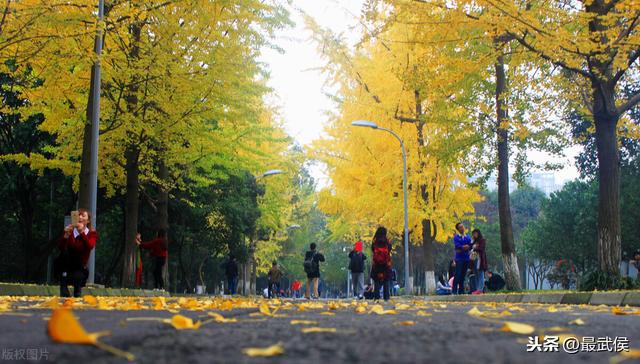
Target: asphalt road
[449,335]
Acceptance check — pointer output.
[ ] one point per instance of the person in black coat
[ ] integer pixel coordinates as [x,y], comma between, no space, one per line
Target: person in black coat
[312,261]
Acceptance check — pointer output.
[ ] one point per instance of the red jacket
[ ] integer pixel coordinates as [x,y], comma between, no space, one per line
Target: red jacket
[80,245]
[158,247]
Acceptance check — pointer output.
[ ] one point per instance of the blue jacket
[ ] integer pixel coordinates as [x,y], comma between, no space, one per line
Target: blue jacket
[460,241]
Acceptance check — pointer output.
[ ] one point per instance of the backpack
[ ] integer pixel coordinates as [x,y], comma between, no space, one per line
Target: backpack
[310,264]
[357,263]
[381,255]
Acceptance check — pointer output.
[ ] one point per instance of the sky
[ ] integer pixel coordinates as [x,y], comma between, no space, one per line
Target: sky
[300,88]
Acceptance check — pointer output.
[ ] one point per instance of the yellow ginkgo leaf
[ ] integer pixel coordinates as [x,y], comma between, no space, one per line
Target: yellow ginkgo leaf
[475,311]
[63,327]
[303,322]
[556,329]
[577,322]
[327,313]
[180,322]
[90,300]
[552,309]
[406,323]
[361,309]
[308,330]
[625,355]
[402,306]
[423,314]
[265,310]
[219,318]
[378,309]
[273,350]
[517,328]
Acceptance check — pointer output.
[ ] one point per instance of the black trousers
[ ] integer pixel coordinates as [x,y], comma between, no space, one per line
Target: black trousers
[158,267]
[385,289]
[77,278]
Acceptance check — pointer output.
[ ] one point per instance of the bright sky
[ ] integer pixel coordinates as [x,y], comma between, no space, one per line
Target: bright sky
[299,86]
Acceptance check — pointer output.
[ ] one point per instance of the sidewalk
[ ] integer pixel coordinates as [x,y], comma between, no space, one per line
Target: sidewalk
[613,298]
[18,289]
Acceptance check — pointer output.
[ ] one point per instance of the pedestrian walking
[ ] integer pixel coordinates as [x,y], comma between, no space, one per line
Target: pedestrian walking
[462,243]
[480,264]
[75,244]
[381,267]
[356,266]
[231,273]
[158,248]
[312,260]
[275,275]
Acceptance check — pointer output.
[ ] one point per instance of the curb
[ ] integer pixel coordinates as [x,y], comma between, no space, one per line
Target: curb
[631,298]
[12,289]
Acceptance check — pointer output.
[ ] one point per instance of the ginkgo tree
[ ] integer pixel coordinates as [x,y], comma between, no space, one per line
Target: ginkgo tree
[400,87]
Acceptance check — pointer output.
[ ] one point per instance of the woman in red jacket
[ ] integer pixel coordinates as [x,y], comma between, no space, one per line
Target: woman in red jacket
[158,250]
[75,246]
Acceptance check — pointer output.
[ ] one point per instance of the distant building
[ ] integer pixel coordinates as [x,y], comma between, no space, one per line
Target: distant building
[544,181]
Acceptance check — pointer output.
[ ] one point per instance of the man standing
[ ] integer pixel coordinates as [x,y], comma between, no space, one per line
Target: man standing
[231,272]
[462,245]
[158,250]
[275,275]
[312,261]
[356,266]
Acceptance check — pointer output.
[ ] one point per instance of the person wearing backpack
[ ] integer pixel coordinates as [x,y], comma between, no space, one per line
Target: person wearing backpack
[356,266]
[312,261]
[381,267]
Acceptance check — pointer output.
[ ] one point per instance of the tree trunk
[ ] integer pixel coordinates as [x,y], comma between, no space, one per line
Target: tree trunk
[511,271]
[131,216]
[427,249]
[163,212]
[609,234]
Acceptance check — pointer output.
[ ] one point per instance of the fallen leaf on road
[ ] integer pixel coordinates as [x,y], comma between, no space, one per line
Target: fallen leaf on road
[406,323]
[361,309]
[90,300]
[517,328]
[308,330]
[63,327]
[623,311]
[552,309]
[273,350]
[303,322]
[378,309]
[327,313]
[442,306]
[423,314]
[219,318]
[182,323]
[625,355]
[556,329]
[577,322]
[474,312]
[402,306]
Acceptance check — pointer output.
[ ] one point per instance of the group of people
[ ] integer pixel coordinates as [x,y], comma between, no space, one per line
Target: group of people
[382,275]
[470,260]
[78,240]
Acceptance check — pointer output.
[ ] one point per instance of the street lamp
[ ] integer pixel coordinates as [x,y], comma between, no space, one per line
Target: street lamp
[372,125]
[95,135]
[271,172]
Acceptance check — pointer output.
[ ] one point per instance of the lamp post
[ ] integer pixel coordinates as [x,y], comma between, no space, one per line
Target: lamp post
[372,125]
[95,134]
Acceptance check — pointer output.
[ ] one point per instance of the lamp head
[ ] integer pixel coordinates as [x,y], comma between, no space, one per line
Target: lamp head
[365,123]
